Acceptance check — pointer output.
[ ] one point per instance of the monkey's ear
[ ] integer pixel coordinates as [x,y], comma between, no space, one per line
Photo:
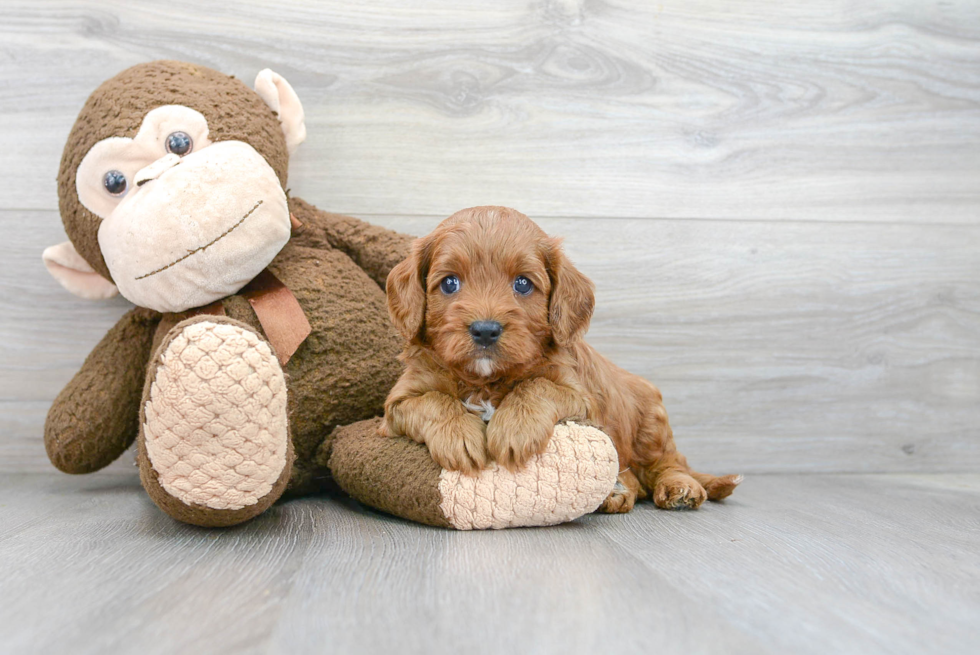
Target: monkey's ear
[74,273]
[275,90]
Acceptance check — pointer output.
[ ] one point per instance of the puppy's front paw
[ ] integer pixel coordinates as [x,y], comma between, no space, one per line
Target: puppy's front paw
[515,436]
[460,444]
[678,491]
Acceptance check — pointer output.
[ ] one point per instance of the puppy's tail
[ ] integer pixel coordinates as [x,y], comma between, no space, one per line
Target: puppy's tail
[717,488]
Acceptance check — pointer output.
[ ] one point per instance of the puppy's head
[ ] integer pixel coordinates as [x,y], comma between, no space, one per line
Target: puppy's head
[489,292]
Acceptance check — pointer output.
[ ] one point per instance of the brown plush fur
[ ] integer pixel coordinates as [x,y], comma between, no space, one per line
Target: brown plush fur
[395,475]
[117,107]
[334,265]
[542,370]
[339,375]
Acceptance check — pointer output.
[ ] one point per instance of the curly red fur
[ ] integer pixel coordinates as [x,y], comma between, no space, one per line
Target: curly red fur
[539,372]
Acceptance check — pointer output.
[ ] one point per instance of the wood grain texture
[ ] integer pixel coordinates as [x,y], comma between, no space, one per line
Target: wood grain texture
[794,259]
[836,111]
[801,564]
[779,347]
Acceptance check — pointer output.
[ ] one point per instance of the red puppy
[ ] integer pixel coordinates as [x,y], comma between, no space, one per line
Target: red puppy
[494,315]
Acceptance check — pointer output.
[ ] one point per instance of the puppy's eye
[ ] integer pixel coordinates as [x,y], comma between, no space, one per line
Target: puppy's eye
[523,286]
[179,143]
[449,285]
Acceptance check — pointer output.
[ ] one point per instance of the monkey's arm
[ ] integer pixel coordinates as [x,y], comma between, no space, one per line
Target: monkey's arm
[375,249]
[96,416]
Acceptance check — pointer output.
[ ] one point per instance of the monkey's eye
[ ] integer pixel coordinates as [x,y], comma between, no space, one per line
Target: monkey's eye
[523,286]
[115,183]
[179,143]
[449,285]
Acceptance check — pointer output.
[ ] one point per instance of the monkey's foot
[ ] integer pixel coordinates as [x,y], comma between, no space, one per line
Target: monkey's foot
[214,438]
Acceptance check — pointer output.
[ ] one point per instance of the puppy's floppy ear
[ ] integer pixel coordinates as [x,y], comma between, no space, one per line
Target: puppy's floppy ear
[406,290]
[572,296]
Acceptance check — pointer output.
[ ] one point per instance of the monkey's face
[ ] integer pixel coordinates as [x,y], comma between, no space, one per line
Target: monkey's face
[185,221]
[171,185]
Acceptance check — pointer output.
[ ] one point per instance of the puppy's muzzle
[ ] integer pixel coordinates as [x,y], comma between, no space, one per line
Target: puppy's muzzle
[485,333]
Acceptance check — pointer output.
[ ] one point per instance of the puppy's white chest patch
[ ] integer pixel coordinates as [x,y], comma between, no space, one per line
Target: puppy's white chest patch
[483,366]
[484,408]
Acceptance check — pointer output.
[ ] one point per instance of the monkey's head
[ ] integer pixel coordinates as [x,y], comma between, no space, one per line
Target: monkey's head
[172,183]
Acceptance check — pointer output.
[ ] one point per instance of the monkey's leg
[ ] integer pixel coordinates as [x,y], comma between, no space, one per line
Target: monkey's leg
[214,446]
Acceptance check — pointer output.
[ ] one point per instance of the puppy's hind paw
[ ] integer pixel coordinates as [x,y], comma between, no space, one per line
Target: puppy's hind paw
[619,501]
[678,491]
[722,487]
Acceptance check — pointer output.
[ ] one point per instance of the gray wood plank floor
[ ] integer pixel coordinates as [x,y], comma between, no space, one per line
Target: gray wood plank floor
[790,564]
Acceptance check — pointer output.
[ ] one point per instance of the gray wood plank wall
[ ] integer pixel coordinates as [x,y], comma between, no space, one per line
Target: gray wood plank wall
[779,202]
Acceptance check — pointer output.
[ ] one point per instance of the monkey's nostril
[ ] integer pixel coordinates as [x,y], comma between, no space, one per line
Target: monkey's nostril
[485,333]
[156,169]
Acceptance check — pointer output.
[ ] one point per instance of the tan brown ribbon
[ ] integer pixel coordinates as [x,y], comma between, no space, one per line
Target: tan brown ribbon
[280,314]
[283,320]
[216,308]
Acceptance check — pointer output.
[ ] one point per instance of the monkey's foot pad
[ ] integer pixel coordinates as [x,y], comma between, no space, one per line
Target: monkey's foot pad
[215,422]
[570,478]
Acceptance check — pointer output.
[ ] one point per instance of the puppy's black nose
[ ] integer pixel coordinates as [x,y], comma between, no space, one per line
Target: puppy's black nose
[485,333]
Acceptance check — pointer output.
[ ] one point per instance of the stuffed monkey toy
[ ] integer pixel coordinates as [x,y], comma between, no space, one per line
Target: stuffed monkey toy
[259,353]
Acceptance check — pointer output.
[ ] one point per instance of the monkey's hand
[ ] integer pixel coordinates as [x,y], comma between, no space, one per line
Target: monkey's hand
[375,249]
[96,416]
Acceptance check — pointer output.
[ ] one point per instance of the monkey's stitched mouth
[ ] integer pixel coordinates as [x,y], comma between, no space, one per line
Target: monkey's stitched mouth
[206,245]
